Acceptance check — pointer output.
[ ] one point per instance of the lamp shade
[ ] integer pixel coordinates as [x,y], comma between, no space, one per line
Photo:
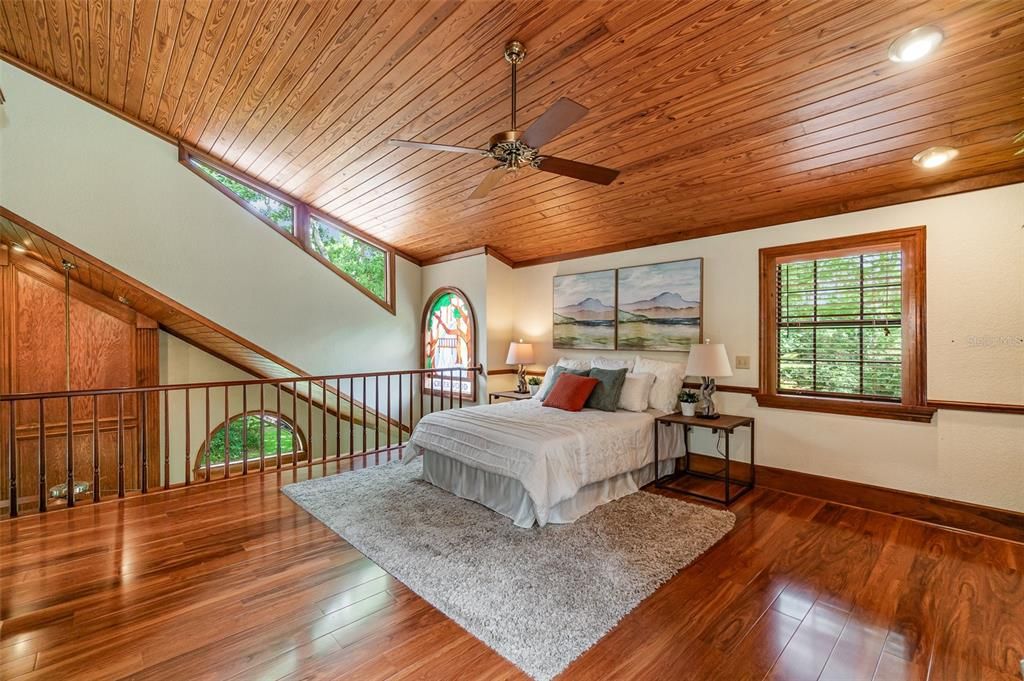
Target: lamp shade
[708,359]
[520,353]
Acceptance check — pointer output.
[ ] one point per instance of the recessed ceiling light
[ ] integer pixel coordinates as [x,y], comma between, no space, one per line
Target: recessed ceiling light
[916,45]
[18,248]
[933,157]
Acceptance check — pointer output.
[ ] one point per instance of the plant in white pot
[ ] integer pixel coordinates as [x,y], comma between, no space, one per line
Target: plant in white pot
[688,402]
[534,384]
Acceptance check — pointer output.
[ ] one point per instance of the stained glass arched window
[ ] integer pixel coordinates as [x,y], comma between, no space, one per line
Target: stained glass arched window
[449,340]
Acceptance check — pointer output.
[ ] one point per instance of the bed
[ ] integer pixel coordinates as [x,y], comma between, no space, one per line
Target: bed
[536,464]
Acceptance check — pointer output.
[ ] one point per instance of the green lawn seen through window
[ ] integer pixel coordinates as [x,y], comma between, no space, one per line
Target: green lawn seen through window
[245,436]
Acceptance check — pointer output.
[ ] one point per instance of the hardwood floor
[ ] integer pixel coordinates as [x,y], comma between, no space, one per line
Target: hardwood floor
[234,581]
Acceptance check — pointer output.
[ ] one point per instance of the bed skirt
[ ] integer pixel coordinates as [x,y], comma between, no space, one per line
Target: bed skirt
[508,497]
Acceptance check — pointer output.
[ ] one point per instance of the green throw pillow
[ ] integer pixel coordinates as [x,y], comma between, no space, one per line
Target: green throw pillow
[607,392]
[562,370]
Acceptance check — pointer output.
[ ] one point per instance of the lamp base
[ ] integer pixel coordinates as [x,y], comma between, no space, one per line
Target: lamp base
[521,383]
[707,408]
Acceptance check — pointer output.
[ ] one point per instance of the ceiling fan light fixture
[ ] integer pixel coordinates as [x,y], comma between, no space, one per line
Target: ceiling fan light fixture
[916,44]
[516,149]
[933,157]
[18,248]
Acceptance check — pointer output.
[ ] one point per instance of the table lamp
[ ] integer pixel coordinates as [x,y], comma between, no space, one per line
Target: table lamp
[707,361]
[521,354]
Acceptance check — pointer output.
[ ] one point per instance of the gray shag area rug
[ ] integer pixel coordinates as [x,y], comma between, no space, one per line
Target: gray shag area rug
[539,597]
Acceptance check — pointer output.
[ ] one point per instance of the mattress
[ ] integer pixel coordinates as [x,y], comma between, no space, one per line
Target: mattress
[551,453]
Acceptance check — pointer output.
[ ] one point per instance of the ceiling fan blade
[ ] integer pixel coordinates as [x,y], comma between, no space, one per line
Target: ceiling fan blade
[581,171]
[490,181]
[553,122]
[438,147]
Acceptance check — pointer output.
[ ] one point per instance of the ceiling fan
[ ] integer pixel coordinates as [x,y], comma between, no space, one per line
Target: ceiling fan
[514,149]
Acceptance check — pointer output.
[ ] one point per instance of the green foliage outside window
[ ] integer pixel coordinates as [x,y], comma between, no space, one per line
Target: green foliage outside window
[278,212]
[839,326]
[245,436]
[362,261]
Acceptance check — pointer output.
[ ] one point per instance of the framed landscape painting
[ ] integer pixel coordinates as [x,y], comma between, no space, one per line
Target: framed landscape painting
[584,311]
[659,306]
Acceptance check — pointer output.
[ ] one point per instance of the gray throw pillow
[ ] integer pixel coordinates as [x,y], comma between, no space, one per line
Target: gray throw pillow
[558,370]
[608,390]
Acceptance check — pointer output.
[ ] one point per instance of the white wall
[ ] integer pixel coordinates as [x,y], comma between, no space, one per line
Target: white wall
[503,298]
[120,194]
[975,308]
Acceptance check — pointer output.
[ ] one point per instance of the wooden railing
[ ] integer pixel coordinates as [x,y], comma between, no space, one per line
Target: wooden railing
[126,441]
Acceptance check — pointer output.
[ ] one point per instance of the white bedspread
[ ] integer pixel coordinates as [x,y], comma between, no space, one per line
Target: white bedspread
[552,452]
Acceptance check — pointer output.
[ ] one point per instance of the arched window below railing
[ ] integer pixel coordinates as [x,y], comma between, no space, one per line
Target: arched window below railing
[272,435]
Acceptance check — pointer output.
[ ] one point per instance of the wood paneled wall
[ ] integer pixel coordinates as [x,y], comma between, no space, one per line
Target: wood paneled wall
[111,346]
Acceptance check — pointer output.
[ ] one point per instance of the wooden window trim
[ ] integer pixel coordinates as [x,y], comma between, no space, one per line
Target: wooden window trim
[300,222]
[473,346]
[389,257]
[913,405]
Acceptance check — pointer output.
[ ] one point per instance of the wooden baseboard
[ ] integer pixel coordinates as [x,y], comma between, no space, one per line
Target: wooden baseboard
[958,515]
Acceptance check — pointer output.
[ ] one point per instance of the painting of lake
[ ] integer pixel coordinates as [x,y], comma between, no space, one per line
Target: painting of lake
[584,311]
[659,306]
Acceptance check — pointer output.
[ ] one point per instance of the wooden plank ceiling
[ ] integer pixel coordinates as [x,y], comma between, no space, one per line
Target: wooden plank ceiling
[722,115]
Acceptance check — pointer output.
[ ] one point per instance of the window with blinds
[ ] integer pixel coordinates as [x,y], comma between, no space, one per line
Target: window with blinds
[839,326]
[842,325]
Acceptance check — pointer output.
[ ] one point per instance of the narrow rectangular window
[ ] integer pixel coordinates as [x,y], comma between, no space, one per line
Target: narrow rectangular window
[362,261]
[842,326]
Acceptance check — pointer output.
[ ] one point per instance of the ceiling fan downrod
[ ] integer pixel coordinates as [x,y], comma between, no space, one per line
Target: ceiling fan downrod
[515,53]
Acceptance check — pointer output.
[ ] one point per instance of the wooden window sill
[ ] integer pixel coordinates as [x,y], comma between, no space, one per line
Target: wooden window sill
[879,410]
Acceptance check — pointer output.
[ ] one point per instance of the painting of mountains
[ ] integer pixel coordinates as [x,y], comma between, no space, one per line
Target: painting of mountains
[659,306]
[584,311]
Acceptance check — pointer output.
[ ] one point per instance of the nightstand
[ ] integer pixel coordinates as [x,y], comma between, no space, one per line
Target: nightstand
[507,394]
[701,469]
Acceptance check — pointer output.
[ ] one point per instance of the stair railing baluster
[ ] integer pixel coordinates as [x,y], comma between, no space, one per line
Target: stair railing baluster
[188,439]
[12,462]
[167,439]
[95,449]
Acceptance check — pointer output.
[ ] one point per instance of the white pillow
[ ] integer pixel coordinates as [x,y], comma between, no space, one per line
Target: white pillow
[544,383]
[668,381]
[636,391]
[609,363]
[576,364]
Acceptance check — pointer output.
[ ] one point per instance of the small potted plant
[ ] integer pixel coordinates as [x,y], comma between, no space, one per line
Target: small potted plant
[688,402]
[534,384]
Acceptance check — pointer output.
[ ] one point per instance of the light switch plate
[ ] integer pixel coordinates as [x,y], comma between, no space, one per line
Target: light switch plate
[742,361]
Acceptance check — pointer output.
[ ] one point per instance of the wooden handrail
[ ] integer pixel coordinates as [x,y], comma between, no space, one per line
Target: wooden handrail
[13,397]
[119,453]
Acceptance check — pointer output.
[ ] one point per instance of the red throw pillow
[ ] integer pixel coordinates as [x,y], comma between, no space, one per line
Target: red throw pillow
[570,392]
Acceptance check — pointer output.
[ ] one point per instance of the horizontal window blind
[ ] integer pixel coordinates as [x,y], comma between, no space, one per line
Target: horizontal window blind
[839,325]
